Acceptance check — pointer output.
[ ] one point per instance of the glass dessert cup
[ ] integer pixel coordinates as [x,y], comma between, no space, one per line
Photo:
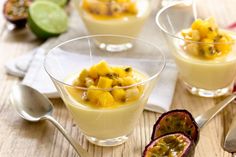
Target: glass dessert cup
[207,77]
[109,125]
[112,17]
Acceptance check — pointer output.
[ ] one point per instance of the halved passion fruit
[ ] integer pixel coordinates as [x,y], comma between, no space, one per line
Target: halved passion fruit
[16,11]
[170,145]
[176,121]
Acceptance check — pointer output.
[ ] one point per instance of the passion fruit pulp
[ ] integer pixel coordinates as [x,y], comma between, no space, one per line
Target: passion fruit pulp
[16,11]
[170,145]
[176,121]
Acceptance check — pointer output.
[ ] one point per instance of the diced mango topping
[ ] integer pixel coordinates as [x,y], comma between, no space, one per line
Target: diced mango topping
[104,82]
[108,85]
[205,40]
[93,94]
[105,99]
[110,8]
[118,93]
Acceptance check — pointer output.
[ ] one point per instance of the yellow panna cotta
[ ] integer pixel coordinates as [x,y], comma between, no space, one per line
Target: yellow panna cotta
[206,56]
[103,95]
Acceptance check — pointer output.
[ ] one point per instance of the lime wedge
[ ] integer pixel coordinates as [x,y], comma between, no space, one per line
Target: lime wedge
[47,19]
[61,3]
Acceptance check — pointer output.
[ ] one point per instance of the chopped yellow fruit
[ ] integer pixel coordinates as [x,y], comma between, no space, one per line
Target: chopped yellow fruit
[104,85]
[122,72]
[192,48]
[196,24]
[77,82]
[128,81]
[102,68]
[223,45]
[185,33]
[195,35]
[83,75]
[132,8]
[105,99]
[89,82]
[119,71]
[118,94]
[204,27]
[93,72]
[208,48]
[104,82]
[132,94]
[212,23]
[117,82]
[93,94]
[209,41]
[110,8]
[212,35]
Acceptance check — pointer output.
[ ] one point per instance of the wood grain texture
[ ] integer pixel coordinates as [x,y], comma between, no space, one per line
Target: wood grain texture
[19,138]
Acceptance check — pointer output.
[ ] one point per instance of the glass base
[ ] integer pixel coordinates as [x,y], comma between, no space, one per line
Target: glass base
[115,47]
[208,93]
[108,142]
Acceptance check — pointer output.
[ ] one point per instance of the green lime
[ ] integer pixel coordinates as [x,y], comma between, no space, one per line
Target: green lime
[47,19]
[61,3]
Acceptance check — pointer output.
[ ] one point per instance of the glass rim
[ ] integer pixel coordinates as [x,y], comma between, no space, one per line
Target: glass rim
[163,61]
[177,37]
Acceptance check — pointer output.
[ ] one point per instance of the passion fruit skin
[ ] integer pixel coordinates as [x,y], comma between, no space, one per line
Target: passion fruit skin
[191,129]
[18,20]
[188,152]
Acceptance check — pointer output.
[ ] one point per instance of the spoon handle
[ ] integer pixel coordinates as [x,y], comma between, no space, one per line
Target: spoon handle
[81,151]
[207,116]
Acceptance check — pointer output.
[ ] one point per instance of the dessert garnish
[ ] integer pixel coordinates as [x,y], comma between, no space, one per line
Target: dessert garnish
[204,39]
[176,121]
[110,8]
[105,85]
[16,11]
[170,145]
[175,133]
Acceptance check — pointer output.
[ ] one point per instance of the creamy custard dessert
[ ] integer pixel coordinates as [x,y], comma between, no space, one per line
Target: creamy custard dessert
[206,58]
[117,17]
[108,101]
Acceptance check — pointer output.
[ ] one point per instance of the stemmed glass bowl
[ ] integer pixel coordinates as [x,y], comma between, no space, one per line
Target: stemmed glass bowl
[104,126]
[202,77]
[114,17]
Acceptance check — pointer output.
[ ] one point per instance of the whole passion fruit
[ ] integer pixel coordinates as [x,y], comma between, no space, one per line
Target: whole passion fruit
[16,11]
[176,121]
[170,145]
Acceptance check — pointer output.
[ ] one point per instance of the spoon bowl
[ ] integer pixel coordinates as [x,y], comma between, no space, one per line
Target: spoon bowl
[33,106]
[30,104]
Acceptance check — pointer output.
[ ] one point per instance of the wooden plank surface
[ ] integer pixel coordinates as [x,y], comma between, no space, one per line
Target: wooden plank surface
[23,139]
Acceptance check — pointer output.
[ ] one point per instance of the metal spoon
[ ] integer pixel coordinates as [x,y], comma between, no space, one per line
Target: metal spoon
[33,106]
[208,115]
[230,140]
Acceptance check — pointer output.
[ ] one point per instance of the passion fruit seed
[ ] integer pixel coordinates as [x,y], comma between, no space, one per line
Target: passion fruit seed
[176,121]
[170,145]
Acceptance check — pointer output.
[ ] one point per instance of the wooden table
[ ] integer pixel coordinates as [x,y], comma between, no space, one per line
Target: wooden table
[23,139]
